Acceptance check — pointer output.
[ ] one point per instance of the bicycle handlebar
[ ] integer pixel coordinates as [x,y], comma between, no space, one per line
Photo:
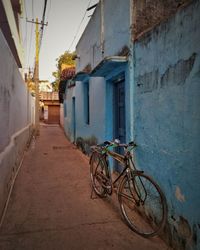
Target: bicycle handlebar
[115,143]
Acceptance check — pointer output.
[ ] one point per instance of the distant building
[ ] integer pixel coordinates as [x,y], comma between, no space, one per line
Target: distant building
[45,86]
[49,107]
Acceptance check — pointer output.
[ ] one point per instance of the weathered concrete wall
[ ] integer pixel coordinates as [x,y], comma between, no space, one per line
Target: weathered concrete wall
[68,119]
[167,118]
[105,35]
[111,34]
[147,14]
[88,47]
[13,96]
[116,26]
[10,159]
[96,126]
[16,118]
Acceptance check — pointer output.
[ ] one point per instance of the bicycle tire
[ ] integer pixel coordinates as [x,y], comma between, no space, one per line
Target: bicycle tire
[98,174]
[143,204]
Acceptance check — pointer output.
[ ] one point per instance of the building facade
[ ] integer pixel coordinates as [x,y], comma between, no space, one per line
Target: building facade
[16,103]
[101,63]
[137,78]
[167,116]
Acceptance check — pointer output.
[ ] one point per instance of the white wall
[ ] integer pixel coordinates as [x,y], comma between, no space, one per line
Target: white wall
[16,118]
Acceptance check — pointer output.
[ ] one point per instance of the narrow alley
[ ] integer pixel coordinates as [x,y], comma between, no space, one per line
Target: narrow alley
[50,206]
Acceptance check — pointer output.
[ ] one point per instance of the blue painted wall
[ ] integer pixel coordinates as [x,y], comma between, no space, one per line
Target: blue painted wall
[162,105]
[116,33]
[116,25]
[116,36]
[96,126]
[167,117]
[68,117]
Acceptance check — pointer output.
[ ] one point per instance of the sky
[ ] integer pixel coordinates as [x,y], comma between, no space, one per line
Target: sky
[66,23]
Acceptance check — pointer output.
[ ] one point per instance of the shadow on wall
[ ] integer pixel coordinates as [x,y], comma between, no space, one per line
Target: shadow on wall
[179,234]
[84,144]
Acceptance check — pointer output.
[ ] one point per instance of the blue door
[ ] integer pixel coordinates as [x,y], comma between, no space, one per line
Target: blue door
[119,114]
[119,117]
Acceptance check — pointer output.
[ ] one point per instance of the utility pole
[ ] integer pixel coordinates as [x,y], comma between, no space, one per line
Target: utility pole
[36,73]
[36,79]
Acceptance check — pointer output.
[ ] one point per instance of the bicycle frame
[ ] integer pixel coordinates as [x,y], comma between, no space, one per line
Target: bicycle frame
[126,160]
[132,189]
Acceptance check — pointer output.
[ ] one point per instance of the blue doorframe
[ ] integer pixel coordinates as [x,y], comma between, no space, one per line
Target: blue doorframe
[74,119]
[116,110]
[119,110]
[119,119]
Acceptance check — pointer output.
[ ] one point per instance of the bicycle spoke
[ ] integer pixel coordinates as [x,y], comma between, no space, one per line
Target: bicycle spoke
[141,200]
[142,205]
[98,175]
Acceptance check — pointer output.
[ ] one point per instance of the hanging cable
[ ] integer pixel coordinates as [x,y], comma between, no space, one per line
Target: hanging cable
[25,37]
[30,42]
[76,34]
[42,27]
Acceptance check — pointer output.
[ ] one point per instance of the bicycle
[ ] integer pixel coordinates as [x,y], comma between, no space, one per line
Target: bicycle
[142,202]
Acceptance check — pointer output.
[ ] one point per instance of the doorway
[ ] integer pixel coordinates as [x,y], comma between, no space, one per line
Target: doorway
[119,115]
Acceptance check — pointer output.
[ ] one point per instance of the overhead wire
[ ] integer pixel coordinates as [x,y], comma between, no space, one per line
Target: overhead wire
[41,31]
[76,34]
[49,9]
[43,22]
[25,37]
[30,41]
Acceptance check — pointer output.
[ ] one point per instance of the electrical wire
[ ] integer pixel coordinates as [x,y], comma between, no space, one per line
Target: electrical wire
[32,10]
[49,9]
[30,42]
[47,18]
[25,37]
[76,34]
[43,21]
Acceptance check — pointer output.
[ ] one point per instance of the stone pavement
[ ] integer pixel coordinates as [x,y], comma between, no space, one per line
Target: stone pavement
[50,206]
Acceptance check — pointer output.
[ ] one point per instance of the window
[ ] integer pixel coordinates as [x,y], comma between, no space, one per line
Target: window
[86,103]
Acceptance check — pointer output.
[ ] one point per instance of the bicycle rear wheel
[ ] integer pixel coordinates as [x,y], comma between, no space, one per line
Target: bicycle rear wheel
[98,174]
[143,204]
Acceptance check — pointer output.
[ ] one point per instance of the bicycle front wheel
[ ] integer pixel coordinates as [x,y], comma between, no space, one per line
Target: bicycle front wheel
[143,204]
[98,174]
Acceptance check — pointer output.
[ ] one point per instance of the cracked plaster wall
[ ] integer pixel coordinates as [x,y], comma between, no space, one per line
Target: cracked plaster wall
[167,118]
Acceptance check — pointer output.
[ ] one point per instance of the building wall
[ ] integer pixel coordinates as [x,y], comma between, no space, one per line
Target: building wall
[116,28]
[114,34]
[167,117]
[9,25]
[13,101]
[108,34]
[86,134]
[148,14]
[17,113]
[68,119]
[95,130]
[88,47]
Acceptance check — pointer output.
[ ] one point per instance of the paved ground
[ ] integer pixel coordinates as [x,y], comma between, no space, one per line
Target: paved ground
[50,206]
